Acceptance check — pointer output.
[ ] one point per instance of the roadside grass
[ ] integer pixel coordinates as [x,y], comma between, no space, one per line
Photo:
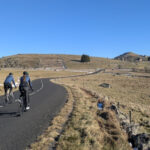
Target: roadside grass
[133,94]
[86,130]
[82,130]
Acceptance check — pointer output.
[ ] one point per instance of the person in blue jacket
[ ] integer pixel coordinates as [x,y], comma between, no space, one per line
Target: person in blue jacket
[8,84]
[25,83]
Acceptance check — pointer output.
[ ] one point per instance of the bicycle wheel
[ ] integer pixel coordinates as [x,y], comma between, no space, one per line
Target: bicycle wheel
[2,101]
[20,106]
[11,98]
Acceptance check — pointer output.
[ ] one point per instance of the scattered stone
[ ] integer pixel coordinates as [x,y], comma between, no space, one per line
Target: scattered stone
[140,141]
[105,85]
[104,115]
[118,73]
[106,98]
[114,108]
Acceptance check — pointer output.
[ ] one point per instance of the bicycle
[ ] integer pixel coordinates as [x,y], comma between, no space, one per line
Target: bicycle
[21,105]
[9,98]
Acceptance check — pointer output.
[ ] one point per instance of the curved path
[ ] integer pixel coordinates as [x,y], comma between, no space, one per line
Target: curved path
[16,133]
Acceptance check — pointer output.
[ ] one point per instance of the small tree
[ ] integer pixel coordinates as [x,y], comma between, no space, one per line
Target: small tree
[85,58]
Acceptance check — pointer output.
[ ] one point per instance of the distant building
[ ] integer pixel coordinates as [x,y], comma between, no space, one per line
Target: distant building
[145,56]
[139,59]
[122,58]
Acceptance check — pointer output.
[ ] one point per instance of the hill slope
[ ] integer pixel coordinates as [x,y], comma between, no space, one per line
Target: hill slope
[54,61]
[31,61]
[48,62]
[129,56]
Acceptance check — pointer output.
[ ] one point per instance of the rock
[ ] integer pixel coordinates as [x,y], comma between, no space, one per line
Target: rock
[114,108]
[140,141]
[106,98]
[104,115]
[105,85]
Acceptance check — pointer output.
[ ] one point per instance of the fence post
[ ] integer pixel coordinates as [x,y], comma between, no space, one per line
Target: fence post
[83,83]
[130,116]
[118,105]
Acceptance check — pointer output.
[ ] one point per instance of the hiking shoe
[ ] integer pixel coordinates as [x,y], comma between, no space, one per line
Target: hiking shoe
[28,107]
[18,100]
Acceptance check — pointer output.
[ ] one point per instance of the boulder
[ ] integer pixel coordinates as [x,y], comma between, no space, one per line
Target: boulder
[105,85]
[140,141]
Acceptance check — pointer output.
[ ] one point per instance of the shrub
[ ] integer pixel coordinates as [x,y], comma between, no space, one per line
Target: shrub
[85,58]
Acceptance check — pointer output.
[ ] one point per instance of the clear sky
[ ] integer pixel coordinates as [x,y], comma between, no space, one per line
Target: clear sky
[104,28]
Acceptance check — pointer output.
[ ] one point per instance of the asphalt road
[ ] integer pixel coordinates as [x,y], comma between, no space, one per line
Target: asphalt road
[16,133]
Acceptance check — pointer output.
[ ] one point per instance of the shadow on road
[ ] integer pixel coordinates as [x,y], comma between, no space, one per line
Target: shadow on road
[8,114]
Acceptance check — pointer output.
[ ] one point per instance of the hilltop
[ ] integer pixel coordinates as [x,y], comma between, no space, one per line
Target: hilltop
[61,62]
[48,61]
[130,56]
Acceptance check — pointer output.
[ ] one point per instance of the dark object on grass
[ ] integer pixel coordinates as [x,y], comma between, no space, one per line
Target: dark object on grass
[104,115]
[140,141]
[105,85]
[100,105]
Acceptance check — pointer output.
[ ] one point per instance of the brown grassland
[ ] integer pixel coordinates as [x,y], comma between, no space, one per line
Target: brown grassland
[85,129]
[133,93]
[70,61]
[82,127]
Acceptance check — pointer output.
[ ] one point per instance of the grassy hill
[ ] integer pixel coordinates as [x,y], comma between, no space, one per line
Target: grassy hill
[54,61]
[129,56]
[31,61]
[47,61]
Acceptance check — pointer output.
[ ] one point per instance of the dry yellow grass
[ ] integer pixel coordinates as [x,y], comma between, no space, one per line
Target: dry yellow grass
[86,130]
[70,61]
[133,93]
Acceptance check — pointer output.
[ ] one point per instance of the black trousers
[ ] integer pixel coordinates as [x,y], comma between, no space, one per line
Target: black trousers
[24,91]
[7,86]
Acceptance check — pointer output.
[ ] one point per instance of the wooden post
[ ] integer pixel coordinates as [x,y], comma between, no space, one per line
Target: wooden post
[118,105]
[83,83]
[130,117]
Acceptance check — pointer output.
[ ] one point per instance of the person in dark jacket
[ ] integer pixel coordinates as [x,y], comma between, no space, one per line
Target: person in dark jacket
[8,85]
[25,83]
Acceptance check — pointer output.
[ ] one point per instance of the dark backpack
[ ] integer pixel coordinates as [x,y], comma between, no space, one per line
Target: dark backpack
[24,83]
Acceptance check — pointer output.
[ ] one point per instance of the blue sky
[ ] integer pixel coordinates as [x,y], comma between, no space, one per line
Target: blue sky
[104,28]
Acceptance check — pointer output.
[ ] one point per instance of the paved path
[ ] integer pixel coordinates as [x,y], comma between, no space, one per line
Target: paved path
[16,133]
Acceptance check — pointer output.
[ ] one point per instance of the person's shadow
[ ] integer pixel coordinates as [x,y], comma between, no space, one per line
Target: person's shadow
[8,114]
